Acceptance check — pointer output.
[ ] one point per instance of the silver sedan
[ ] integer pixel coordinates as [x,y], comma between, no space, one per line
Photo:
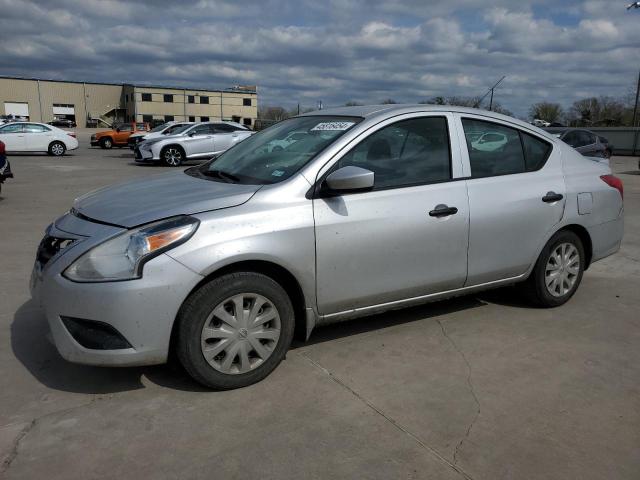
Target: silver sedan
[373,208]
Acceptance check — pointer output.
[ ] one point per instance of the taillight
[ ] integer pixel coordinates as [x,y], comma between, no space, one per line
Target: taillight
[614,182]
[2,148]
[71,134]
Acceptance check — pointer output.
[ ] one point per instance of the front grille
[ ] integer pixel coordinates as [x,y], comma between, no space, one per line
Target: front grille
[50,246]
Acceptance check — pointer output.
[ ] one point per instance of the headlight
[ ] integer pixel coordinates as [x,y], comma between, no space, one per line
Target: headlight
[122,257]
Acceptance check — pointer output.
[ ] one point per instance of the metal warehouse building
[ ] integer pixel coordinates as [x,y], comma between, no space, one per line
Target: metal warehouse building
[90,104]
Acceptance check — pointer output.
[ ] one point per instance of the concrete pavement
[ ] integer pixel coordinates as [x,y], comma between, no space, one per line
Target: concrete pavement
[479,387]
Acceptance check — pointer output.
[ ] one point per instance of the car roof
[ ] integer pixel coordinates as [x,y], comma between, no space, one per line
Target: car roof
[372,111]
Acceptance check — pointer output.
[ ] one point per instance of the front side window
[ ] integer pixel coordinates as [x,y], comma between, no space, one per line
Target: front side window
[493,149]
[257,161]
[125,127]
[410,152]
[201,130]
[12,128]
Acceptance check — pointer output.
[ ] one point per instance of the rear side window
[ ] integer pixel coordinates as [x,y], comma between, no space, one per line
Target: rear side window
[536,151]
[493,149]
[34,128]
[410,152]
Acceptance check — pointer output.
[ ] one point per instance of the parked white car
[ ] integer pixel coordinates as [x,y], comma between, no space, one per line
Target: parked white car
[277,145]
[199,141]
[37,137]
[169,128]
[490,142]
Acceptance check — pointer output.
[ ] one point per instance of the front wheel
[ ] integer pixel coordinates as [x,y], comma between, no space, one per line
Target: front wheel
[235,330]
[57,149]
[172,156]
[106,143]
[558,271]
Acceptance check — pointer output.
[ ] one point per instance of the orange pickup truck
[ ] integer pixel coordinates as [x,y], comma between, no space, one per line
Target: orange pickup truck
[118,136]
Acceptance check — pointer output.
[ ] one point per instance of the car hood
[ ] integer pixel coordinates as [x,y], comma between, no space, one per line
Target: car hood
[145,200]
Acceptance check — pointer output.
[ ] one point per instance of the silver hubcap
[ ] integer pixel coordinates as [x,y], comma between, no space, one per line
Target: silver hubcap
[173,156]
[562,269]
[57,149]
[240,333]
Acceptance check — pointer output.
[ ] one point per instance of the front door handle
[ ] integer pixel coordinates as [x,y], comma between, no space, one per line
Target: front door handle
[551,197]
[443,210]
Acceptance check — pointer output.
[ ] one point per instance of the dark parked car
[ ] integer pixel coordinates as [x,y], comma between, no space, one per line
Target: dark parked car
[608,146]
[63,122]
[584,141]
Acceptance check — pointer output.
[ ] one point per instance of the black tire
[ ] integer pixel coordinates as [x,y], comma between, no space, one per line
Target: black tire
[200,304]
[106,143]
[57,149]
[607,154]
[172,156]
[535,288]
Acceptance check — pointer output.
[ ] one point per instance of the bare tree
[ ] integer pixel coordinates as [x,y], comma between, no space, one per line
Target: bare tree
[550,112]
[388,101]
[352,103]
[273,113]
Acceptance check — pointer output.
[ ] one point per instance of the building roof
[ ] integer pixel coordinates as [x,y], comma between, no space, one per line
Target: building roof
[140,85]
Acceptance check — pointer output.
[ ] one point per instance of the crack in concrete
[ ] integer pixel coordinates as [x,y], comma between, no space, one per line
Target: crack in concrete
[471,390]
[13,454]
[388,418]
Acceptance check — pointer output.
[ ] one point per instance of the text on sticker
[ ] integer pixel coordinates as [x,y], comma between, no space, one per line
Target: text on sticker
[332,126]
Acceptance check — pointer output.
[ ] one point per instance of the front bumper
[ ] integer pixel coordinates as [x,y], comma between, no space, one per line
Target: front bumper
[142,311]
[144,155]
[95,143]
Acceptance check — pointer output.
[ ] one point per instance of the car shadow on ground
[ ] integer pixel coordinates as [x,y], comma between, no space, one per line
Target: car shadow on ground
[31,346]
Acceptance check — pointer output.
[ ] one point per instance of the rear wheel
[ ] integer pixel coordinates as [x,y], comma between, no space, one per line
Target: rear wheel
[558,271]
[235,330]
[106,143]
[172,156]
[57,149]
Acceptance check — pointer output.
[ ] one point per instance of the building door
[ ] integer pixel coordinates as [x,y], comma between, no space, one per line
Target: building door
[17,109]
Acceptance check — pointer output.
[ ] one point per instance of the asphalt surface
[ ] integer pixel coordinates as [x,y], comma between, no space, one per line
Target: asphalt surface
[479,387]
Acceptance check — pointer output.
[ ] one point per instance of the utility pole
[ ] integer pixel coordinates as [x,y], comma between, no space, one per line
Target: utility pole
[635,5]
[490,91]
[635,107]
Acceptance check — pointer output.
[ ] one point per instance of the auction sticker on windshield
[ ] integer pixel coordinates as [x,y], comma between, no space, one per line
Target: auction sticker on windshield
[332,126]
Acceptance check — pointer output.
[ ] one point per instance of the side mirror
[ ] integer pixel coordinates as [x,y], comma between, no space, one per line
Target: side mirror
[350,179]
[117,130]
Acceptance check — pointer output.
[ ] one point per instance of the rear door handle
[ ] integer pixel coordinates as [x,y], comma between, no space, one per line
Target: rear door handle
[443,210]
[551,197]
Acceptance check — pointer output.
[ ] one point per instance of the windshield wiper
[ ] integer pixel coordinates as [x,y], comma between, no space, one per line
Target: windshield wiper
[226,176]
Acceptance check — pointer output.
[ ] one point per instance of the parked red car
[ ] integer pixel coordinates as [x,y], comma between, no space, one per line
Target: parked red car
[5,168]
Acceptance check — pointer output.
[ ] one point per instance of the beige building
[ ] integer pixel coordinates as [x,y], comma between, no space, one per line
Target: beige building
[91,104]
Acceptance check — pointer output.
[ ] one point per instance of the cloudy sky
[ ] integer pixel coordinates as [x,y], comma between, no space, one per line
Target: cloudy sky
[334,50]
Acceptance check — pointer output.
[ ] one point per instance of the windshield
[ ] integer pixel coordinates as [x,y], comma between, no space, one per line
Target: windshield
[274,155]
[177,129]
[159,128]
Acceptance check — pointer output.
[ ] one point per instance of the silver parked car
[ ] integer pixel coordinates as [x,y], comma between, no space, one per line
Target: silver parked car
[377,208]
[196,141]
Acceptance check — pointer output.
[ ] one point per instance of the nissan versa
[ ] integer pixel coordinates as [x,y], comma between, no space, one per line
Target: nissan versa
[373,208]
